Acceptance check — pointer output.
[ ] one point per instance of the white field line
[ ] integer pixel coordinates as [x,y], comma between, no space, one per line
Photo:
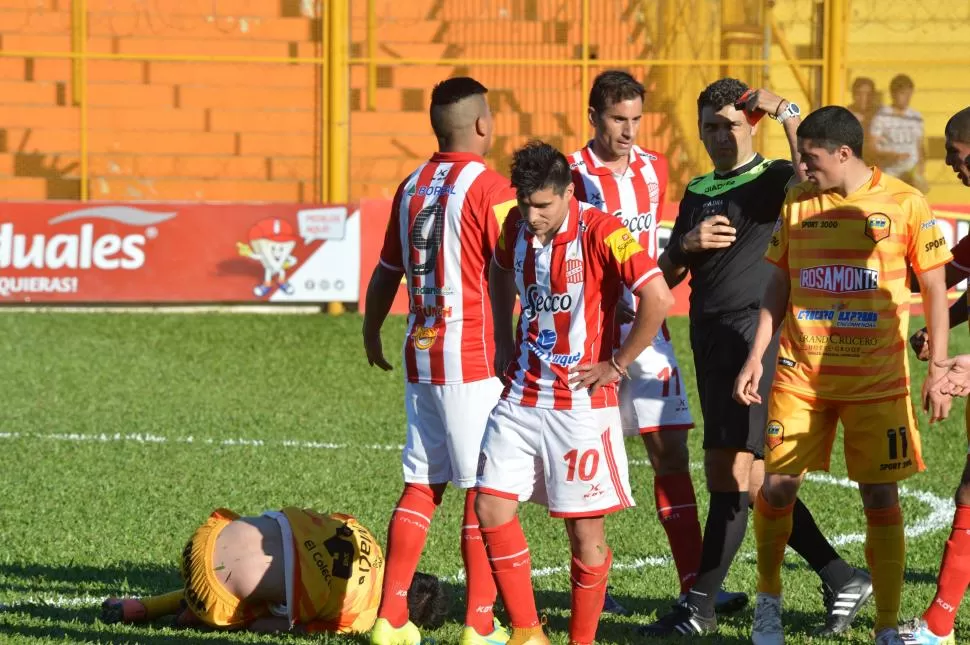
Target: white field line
[53,600]
[148,438]
[941,509]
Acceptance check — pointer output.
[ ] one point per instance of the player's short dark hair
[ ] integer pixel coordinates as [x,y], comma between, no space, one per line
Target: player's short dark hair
[900,82]
[538,165]
[831,127]
[958,127]
[427,601]
[446,93]
[862,80]
[612,87]
[722,92]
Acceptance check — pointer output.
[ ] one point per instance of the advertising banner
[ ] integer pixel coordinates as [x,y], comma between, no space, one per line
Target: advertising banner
[954,220]
[148,252]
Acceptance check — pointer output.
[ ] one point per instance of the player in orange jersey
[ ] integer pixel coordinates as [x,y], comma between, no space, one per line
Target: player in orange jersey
[839,288]
[288,570]
[935,626]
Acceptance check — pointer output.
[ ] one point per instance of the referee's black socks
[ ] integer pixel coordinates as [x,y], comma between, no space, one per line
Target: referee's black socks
[727,520]
[807,540]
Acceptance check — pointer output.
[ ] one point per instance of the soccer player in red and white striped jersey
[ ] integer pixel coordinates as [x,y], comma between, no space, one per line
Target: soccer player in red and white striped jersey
[569,263]
[614,174]
[445,220]
[935,626]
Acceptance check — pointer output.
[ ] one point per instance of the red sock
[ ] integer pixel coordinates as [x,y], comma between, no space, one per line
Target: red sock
[508,555]
[677,510]
[589,590]
[954,576]
[406,535]
[480,588]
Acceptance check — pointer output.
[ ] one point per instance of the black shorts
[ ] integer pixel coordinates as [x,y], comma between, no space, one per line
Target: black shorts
[721,347]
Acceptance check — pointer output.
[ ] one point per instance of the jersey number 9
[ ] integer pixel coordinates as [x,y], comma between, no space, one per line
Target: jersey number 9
[426,236]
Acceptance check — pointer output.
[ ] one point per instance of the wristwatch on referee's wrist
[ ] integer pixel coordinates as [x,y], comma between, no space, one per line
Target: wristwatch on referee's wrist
[790,110]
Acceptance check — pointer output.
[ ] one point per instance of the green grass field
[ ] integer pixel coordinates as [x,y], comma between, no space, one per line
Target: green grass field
[121,432]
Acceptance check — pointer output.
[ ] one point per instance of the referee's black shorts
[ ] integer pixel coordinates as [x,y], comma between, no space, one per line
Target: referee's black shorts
[721,347]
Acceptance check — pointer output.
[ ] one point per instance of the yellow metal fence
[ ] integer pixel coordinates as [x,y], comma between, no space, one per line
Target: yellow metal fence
[305,100]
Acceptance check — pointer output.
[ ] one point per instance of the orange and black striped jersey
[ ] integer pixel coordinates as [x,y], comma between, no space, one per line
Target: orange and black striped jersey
[844,333]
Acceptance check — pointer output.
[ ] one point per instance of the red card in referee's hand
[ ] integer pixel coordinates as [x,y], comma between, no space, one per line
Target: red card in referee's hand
[749,103]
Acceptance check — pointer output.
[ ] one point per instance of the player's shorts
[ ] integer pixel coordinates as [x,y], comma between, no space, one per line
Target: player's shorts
[204,593]
[654,397]
[721,346]
[445,428]
[573,461]
[882,441]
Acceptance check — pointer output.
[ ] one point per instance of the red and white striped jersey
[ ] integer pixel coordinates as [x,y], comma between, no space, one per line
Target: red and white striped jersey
[568,290]
[635,197]
[445,220]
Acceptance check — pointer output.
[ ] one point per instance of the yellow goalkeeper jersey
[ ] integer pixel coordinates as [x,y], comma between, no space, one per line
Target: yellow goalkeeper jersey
[844,333]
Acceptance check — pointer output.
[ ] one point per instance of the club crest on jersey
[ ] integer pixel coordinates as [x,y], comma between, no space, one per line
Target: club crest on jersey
[543,345]
[536,302]
[424,337]
[574,271]
[774,434]
[878,227]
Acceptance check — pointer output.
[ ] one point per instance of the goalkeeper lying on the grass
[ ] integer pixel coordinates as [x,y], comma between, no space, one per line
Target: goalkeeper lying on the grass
[293,569]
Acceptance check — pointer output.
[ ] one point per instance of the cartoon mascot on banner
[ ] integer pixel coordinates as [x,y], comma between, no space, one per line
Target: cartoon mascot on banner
[271,243]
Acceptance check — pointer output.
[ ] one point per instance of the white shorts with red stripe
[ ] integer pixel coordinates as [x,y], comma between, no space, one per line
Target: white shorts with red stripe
[654,397]
[572,461]
[445,428]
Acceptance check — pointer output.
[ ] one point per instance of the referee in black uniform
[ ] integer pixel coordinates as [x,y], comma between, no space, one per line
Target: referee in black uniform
[723,228]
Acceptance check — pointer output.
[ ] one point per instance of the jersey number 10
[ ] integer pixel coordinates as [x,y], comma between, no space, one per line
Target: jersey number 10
[585,466]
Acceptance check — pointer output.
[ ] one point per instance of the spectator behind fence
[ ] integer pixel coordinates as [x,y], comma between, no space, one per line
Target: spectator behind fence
[865,100]
[897,135]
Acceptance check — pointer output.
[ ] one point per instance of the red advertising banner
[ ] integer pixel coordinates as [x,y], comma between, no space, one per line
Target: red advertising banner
[178,252]
[954,220]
